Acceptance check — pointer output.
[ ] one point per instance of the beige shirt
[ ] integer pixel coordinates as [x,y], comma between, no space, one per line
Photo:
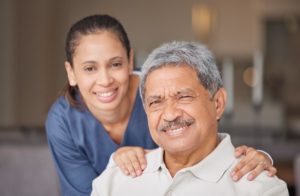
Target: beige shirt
[210,177]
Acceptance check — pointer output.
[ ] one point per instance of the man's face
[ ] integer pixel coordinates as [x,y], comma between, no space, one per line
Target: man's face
[182,115]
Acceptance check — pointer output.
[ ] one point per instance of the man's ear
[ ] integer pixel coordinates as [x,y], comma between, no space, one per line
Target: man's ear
[70,73]
[220,102]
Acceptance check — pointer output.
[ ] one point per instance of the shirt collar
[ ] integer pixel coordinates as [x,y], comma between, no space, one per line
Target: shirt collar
[154,160]
[211,168]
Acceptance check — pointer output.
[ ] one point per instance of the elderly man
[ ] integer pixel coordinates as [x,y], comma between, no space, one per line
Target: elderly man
[184,99]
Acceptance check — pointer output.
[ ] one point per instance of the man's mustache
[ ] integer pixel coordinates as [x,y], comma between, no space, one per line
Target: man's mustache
[178,122]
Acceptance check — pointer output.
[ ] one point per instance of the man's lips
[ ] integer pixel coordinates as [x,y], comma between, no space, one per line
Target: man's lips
[177,124]
[175,131]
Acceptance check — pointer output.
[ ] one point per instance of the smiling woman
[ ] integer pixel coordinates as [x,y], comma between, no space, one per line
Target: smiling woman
[100,109]
[100,70]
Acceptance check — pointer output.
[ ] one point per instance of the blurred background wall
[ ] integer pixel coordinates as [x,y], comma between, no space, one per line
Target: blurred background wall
[239,33]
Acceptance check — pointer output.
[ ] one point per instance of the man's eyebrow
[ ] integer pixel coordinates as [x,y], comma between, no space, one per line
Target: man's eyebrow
[185,91]
[153,97]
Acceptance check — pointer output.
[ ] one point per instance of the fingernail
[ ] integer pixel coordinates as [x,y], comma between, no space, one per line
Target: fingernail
[138,172]
[250,177]
[233,173]
[143,166]
[133,175]
[270,174]
[235,178]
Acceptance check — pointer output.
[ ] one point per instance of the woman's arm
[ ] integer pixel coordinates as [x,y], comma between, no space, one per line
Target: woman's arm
[132,161]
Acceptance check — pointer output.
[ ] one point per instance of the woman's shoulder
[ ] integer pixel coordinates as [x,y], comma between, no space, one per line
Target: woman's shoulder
[62,110]
[62,116]
[57,111]
[60,105]
[55,121]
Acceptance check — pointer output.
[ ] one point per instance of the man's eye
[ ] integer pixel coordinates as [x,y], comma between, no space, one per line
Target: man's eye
[185,97]
[153,103]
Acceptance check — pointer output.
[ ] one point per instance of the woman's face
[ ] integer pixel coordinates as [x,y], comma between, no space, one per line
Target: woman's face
[101,71]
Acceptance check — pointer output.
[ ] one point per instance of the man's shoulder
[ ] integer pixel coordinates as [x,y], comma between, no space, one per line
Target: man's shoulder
[154,160]
[110,177]
[152,157]
[114,175]
[270,184]
[112,181]
[264,184]
[110,173]
[107,180]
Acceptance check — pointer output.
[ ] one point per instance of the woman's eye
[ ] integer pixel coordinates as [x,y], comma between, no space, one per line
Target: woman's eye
[117,64]
[89,69]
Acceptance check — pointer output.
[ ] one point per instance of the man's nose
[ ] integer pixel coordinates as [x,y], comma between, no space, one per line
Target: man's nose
[171,111]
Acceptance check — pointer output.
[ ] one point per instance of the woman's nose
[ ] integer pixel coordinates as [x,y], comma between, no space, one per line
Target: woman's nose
[104,78]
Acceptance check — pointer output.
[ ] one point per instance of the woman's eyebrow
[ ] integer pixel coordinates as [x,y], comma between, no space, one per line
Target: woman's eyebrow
[88,62]
[115,58]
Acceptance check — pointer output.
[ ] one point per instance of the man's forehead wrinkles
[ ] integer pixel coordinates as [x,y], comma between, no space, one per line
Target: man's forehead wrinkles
[154,97]
[172,91]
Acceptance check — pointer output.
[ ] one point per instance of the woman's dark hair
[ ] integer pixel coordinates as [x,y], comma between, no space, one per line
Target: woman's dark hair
[90,25]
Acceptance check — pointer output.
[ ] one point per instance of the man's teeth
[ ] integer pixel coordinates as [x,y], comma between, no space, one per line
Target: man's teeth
[175,131]
[106,94]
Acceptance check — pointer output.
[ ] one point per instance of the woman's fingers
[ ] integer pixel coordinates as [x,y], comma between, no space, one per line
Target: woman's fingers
[131,160]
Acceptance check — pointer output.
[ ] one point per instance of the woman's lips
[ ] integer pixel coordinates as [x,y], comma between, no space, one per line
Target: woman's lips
[106,96]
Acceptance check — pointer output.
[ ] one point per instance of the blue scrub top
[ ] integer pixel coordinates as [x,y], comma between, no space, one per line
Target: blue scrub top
[81,147]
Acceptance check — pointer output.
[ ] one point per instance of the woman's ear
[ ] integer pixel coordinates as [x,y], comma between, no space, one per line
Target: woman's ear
[220,102]
[70,73]
[131,60]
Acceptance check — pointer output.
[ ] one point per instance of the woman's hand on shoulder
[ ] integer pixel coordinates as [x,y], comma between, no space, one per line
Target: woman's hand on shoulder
[131,160]
[253,161]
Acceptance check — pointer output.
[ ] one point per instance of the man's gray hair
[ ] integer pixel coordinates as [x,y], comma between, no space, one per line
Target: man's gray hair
[192,54]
